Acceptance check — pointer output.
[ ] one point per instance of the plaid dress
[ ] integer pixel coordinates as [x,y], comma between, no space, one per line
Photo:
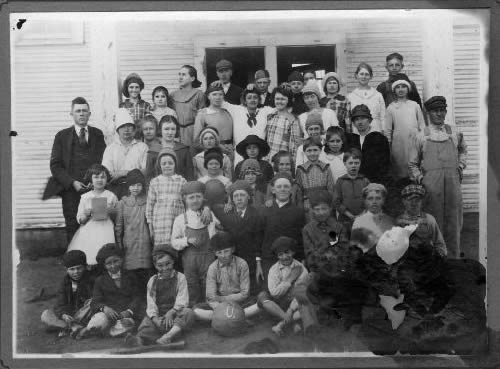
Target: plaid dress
[163,205]
[283,133]
[314,176]
[342,106]
[137,111]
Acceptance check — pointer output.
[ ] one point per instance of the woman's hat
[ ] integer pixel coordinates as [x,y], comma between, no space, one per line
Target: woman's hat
[253,140]
[331,75]
[393,243]
[240,184]
[123,117]
[296,76]
[250,165]
[193,187]
[413,190]
[377,187]
[435,102]
[135,176]
[221,241]
[73,258]
[311,87]
[400,79]
[211,130]
[314,118]
[109,249]
[213,153]
[361,111]
[132,78]
[282,244]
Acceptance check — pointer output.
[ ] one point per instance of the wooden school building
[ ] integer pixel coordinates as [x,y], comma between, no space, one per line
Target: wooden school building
[56,60]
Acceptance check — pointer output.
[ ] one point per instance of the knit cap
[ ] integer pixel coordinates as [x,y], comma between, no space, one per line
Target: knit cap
[361,111]
[282,244]
[193,187]
[250,165]
[261,73]
[320,197]
[221,241]
[122,118]
[329,76]
[165,151]
[213,153]
[135,176]
[413,190]
[296,76]
[377,187]
[73,258]
[132,78]
[312,87]
[399,79]
[314,119]
[211,130]
[435,102]
[109,249]
[240,184]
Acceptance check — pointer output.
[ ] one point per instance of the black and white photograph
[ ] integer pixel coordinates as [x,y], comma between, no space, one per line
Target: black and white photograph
[249,183]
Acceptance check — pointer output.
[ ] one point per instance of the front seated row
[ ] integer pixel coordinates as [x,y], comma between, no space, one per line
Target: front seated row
[340,277]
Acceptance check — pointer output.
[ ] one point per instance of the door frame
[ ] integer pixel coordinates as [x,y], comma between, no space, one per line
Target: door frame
[270,42]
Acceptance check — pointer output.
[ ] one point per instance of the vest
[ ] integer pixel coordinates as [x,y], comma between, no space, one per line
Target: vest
[81,158]
[166,293]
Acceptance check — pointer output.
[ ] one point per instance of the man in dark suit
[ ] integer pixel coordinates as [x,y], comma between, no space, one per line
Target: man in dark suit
[262,82]
[74,150]
[232,93]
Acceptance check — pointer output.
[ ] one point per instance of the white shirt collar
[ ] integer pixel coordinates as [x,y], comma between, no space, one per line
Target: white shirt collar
[281,204]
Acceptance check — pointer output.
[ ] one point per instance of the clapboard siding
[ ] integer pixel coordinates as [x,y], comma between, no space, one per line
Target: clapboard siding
[466,60]
[46,78]
[372,41]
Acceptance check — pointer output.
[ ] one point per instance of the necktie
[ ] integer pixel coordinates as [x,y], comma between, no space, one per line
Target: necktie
[252,120]
[81,137]
[240,213]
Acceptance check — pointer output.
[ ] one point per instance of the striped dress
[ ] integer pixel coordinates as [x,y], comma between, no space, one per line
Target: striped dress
[163,205]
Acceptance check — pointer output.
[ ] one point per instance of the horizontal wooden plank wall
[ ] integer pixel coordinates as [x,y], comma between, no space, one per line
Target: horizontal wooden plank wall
[466,45]
[46,78]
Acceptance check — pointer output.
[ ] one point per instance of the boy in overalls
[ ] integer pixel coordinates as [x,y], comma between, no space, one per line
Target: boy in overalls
[192,237]
[437,159]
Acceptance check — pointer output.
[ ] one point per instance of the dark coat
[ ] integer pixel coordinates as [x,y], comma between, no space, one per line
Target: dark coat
[268,101]
[285,221]
[298,104]
[68,302]
[247,232]
[60,158]
[106,293]
[376,156]
[233,94]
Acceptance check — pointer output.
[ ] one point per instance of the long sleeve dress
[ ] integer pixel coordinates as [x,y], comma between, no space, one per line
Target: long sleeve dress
[163,205]
[375,102]
[186,104]
[403,119]
[92,235]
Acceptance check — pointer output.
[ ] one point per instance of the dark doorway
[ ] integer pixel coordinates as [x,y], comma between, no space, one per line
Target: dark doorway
[320,58]
[246,61]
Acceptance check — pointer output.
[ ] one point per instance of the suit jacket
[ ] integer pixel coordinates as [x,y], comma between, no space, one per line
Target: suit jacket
[106,293]
[68,302]
[233,94]
[247,232]
[268,101]
[60,158]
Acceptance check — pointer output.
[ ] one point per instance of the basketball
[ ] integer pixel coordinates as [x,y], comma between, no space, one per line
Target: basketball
[228,319]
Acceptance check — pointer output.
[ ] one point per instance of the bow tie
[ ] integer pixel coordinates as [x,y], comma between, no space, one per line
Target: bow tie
[252,120]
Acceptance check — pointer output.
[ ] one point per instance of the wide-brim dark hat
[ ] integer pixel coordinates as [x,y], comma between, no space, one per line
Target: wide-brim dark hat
[253,140]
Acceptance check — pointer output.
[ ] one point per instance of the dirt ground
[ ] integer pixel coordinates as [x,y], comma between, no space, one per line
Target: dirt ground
[375,335]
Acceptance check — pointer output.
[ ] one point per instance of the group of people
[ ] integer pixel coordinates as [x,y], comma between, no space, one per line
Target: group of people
[287,202]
